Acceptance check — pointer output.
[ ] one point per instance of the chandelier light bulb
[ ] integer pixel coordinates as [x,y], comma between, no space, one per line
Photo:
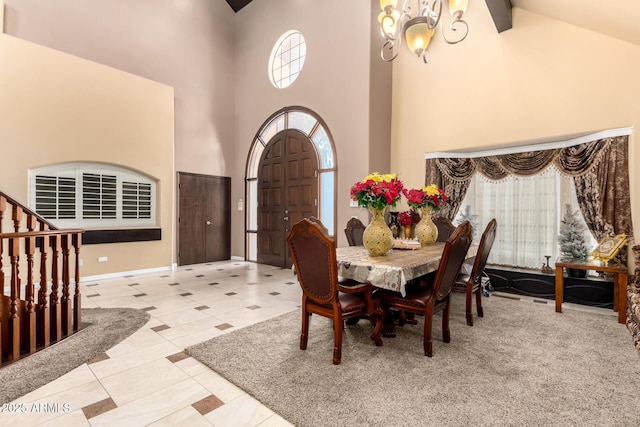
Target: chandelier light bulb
[418,20]
[389,23]
[384,4]
[457,8]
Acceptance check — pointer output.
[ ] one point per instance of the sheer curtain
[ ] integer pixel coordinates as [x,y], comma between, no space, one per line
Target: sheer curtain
[598,187]
[528,211]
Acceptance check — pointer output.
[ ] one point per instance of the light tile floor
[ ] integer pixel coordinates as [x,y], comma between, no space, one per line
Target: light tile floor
[147,379]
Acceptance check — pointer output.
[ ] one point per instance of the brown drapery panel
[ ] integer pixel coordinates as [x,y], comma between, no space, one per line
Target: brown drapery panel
[600,171]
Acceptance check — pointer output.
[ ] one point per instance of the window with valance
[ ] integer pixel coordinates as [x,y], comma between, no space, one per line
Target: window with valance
[598,169]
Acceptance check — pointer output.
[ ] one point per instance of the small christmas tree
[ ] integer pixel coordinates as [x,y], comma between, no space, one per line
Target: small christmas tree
[571,238]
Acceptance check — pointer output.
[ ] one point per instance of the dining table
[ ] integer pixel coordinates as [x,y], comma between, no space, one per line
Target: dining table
[395,269]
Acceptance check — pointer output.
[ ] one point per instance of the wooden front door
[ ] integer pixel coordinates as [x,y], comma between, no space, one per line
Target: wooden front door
[204,218]
[287,192]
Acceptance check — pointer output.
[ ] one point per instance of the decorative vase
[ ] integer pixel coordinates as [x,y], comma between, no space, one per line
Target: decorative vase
[377,237]
[426,230]
[408,231]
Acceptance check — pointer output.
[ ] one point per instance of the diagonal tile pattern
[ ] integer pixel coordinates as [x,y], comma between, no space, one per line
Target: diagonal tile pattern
[147,379]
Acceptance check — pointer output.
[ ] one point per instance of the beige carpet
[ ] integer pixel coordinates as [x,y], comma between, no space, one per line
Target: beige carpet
[102,329]
[520,365]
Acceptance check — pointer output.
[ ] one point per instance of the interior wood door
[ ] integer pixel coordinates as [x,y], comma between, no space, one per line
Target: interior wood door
[204,218]
[287,192]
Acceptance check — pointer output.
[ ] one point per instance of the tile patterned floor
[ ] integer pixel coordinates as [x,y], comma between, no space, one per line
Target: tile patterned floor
[147,379]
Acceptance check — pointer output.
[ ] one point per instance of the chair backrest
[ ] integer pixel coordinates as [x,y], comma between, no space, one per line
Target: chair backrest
[445,228]
[453,255]
[314,258]
[354,231]
[484,248]
[317,221]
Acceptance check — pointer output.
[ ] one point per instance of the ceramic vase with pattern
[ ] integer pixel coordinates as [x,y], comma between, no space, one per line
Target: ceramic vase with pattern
[377,237]
[426,230]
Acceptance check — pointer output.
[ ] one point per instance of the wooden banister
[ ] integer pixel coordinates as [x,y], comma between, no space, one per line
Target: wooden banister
[12,202]
[36,254]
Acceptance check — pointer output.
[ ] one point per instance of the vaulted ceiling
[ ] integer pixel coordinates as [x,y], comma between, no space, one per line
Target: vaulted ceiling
[615,18]
[236,5]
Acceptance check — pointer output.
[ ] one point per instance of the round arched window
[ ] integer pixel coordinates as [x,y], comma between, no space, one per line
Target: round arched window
[287,59]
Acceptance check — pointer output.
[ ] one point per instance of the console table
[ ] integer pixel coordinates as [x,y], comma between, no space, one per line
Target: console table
[620,277]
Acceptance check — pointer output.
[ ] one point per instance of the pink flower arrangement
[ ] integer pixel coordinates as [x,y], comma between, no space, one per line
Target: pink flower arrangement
[377,191]
[426,196]
[409,217]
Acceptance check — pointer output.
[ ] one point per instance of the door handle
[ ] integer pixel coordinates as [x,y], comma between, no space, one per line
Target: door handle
[208,222]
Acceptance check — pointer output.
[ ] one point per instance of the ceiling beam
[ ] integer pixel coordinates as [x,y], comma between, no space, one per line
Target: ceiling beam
[501,13]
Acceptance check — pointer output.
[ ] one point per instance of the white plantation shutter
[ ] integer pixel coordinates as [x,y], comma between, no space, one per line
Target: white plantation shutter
[56,197]
[136,200]
[93,195]
[99,199]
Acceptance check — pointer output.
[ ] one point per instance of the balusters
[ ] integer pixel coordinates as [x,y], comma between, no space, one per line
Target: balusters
[67,314]
[54,302]
[34,318]
[14,314]
[3,208]
[16,216]
[29,316]
[77,242]
[42,315]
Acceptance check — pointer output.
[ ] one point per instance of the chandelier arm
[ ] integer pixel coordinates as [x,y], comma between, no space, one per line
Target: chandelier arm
[434,13]
[406,7]
[452,27]
[390,46]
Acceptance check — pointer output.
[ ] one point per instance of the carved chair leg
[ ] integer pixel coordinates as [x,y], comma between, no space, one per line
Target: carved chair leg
[479,302]
[304,335]
[468,304]
[428,321]
[337,341]
[446,332]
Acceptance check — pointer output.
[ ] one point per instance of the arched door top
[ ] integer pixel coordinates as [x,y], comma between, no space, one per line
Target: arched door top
[312,126]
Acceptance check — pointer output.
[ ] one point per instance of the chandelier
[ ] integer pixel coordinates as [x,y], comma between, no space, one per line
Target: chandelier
[417,26]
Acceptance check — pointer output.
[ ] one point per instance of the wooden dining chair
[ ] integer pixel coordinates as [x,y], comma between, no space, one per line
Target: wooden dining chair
[354,231]
[445,228]
[432,296]
[471,283]
[314,258]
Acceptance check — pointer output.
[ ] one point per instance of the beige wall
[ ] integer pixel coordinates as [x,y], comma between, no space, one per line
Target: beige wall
[542,79]
[59,108]
[184,44]
[188,45]
[335,83]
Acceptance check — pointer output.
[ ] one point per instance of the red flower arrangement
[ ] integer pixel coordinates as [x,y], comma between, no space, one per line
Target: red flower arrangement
[409,217]
[426,196]
[377,191]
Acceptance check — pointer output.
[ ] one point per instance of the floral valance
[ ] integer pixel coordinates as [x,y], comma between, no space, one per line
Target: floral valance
[571,161]
[599,169]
